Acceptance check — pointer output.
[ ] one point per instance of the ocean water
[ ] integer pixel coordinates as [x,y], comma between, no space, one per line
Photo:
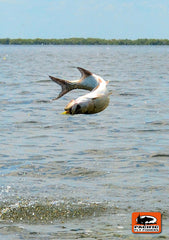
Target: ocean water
[82,176]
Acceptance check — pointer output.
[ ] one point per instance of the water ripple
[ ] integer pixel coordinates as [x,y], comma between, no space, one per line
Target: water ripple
[48,212]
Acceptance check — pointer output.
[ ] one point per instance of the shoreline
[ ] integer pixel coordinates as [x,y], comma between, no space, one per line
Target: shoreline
[82,41]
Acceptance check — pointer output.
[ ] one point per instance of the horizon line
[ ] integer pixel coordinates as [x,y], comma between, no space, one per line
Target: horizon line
[82,41]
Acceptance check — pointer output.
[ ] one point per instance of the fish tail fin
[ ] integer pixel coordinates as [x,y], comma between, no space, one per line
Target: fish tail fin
[65,85]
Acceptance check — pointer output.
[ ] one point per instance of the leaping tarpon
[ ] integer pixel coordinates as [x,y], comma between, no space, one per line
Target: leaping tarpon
[93,102]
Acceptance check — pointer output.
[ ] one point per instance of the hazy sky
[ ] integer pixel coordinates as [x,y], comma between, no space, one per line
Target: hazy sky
[84,18]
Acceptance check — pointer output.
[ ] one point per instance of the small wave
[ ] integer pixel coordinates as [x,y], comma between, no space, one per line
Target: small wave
[43,81]
[82,172]
[24,92]
[158,123]
[2,83]
[151,130]
[32,121]
[51,171]
[164,155]
[128,94]
[21,102]
[42,101]
[48,212]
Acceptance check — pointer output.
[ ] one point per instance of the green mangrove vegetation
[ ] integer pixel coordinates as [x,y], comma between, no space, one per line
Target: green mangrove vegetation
[83,41]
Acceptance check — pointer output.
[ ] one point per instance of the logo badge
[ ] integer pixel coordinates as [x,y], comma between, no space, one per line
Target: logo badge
[146,222]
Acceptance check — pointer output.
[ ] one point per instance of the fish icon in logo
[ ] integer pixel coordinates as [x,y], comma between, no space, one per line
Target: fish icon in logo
[146,222]
[146,219]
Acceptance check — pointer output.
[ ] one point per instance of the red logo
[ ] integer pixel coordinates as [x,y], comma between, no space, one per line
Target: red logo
[146,222]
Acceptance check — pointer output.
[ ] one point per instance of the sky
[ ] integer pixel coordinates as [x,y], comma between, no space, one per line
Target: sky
[108,19]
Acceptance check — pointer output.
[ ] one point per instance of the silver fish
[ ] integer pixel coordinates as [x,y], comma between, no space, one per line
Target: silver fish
[93,102]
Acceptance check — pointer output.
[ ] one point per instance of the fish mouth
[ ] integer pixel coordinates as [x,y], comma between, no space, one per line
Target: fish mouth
[65,112]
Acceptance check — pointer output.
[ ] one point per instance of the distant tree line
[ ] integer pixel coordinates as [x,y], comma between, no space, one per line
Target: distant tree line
[83,41]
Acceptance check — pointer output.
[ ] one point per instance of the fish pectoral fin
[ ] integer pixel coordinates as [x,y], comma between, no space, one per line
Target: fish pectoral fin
[98,96]
[102,96]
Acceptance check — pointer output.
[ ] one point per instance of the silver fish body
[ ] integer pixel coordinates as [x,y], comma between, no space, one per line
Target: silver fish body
[93,102]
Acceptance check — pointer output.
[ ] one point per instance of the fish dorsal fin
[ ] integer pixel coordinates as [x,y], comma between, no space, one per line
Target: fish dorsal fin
[85,73]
